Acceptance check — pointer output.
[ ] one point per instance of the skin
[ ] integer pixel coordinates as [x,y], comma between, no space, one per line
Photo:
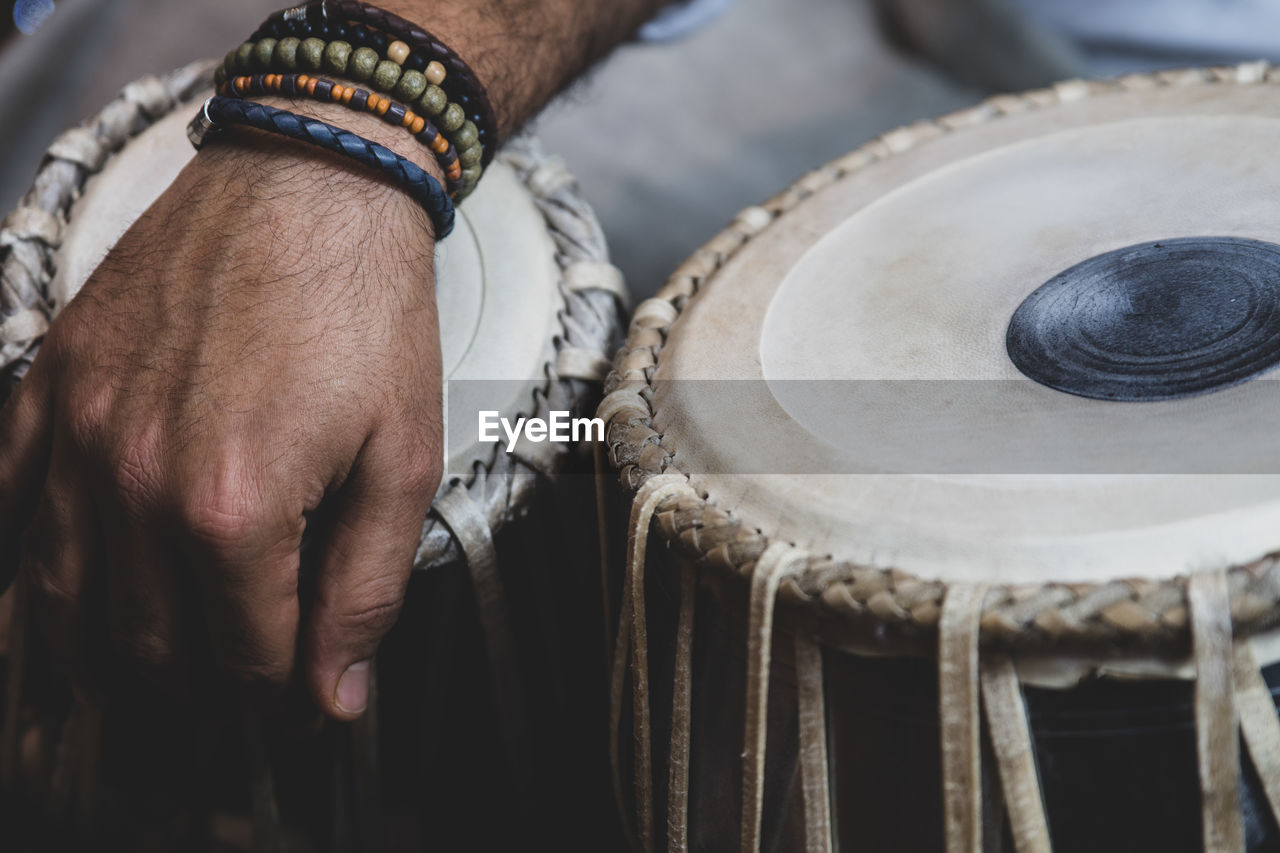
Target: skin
[259,344]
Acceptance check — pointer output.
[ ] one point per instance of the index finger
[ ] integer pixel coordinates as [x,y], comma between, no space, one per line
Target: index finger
[244,550]
[25,443]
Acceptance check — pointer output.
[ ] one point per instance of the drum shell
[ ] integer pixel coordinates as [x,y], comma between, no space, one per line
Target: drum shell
[750,487]
[1117,756]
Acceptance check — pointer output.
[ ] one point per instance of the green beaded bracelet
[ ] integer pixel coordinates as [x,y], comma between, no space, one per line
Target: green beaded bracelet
[286,53]
[363,64]
[262,52]
[411,86]
[363,61]
[336,56]
[310,55]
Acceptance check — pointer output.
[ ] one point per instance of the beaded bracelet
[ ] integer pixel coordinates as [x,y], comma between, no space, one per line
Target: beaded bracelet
[362,64]
[361,100]
[219,112]
[326,18]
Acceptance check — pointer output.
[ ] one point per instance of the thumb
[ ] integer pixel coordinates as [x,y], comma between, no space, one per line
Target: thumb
[363,573]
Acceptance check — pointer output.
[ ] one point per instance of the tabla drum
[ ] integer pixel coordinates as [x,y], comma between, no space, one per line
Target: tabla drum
[960,454]
[488,649]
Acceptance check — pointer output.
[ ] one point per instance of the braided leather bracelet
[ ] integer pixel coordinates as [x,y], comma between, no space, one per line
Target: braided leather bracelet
[461,82]
[222,111]
[360,100]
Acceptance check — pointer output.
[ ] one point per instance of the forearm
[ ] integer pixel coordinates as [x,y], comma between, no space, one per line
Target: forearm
[524,51]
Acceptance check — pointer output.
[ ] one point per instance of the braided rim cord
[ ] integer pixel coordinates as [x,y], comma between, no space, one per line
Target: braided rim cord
[849,604]
[220,111]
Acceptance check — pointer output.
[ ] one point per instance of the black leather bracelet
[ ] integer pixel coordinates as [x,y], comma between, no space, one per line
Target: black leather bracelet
[344,19]
[219,112]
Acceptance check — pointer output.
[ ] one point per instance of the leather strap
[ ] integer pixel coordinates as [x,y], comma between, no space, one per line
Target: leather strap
[681,699]
[468,523]
[1217,740]
[812,721]
[777,561]
[958,632]
[633,627]
[1259,723]
[1015,754]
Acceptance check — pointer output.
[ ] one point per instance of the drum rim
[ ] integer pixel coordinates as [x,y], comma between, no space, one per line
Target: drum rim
[846,603]
[591,291]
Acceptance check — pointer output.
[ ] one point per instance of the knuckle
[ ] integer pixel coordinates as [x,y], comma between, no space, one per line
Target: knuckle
[134,468]
[222,512]
[422,475]
[20,411]
[255,671]
[369,610]
[38,562]
[146,649]
[49,588]
[218,523]
[70,335]
[88,408]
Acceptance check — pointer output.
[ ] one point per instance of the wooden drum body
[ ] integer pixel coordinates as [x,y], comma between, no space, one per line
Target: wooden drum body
[961,448]
[503,604]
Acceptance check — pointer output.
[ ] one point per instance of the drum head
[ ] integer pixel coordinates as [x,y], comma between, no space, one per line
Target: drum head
[1038,347]
[497,280]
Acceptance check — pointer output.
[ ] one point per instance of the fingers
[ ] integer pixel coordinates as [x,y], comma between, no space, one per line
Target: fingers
[364,570]
[57,555]
[24,455]
[141,565]
[143,598]
[242,541]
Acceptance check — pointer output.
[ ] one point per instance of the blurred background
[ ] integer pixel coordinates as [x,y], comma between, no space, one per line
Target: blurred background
[742,106]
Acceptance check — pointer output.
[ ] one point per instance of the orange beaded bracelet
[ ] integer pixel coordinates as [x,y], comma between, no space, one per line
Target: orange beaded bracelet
[362,100]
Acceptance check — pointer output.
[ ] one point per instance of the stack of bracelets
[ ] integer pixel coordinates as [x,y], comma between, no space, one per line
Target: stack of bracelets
[416,82]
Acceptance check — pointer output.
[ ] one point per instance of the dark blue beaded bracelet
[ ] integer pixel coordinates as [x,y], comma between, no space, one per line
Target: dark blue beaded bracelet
[220,112]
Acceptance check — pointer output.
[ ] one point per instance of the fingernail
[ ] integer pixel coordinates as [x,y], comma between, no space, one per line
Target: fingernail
[353,689]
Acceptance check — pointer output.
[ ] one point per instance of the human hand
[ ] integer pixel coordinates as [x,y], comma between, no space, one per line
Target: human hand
[263,339]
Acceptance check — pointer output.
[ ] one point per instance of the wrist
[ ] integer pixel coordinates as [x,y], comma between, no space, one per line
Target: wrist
[305,156]
[320,212]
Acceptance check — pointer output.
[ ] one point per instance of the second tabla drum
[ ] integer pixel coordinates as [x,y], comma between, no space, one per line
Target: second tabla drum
[962,449]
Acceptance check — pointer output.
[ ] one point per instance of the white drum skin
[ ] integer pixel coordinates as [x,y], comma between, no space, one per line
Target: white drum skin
[910,270]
